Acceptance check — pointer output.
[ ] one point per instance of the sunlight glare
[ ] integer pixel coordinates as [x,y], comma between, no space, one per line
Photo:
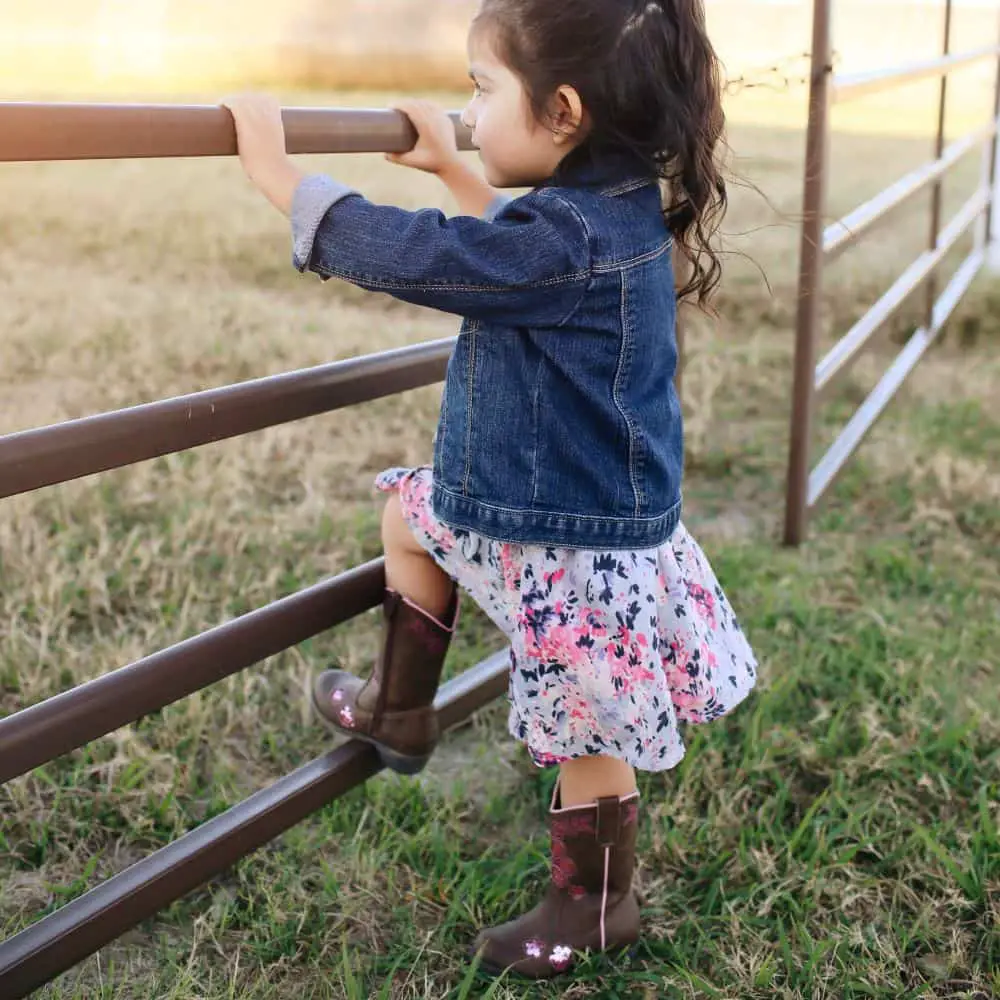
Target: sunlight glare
[130,38]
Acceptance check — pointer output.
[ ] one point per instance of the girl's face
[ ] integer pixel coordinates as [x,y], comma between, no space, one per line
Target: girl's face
[516,151]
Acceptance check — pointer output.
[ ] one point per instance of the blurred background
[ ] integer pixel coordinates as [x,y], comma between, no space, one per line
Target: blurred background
[116,46]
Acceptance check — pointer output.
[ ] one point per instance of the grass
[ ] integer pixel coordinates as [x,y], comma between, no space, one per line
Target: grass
[837,837]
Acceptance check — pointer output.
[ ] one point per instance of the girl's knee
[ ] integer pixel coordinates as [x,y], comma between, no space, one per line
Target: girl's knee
[396,534]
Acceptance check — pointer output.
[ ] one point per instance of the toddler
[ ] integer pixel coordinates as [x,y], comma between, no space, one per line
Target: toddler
[554,497]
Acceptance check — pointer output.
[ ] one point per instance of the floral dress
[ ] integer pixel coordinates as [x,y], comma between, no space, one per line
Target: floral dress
[609,650]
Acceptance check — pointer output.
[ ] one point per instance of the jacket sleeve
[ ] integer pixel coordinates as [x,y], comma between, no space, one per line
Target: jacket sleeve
[526,262]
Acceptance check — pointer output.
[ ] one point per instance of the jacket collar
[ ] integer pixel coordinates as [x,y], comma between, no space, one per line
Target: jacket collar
[604,169]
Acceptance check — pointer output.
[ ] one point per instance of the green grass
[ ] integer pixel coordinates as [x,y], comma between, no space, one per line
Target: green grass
[836,837]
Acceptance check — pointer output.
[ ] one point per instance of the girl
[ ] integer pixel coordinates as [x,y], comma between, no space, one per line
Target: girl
[554,498]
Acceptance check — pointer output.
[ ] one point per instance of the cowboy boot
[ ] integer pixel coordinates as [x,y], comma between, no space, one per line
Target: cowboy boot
[590,904]
[394,708]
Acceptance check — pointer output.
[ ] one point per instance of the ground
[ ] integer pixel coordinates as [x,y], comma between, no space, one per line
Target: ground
[836,838]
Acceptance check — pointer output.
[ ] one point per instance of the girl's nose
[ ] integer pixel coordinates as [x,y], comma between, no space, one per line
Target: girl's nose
[466,118]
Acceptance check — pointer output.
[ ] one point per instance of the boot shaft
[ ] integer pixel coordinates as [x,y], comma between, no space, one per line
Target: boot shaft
[394,708]
[414,647]
[593,846]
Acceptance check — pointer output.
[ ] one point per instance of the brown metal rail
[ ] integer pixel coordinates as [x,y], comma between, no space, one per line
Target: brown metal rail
[117,131]
[806,487]
[47,456]
[80,928]
[66,721]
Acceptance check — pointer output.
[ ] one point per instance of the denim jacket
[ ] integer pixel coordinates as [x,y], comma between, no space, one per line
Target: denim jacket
[560,424]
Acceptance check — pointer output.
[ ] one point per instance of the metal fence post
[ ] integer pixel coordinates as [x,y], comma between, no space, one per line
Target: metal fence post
[937,190]
[810,276]
[993,214]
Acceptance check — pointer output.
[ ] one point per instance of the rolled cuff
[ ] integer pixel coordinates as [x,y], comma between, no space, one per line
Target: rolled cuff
[313,198]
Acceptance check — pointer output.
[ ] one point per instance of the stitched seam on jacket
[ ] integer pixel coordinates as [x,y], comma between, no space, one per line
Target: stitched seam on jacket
[622,265]
[600,519]
[470,381]
[628,186]
[589,233]
[376,283]
[618,403]
[534,423]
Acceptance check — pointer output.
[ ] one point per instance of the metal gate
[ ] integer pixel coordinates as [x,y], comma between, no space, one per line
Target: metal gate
[821,245]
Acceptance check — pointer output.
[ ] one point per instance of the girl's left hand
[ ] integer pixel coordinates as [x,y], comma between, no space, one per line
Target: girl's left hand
[260,135]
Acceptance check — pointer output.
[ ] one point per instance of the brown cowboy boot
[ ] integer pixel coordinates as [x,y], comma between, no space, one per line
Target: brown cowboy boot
[394,708]
[590,903]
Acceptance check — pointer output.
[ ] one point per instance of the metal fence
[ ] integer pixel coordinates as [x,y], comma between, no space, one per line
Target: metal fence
[821,245]
[36,458]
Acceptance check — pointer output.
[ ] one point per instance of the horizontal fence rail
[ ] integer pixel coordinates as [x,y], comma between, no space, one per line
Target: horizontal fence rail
[59,941]
[838,360]
[114,131]
[849,87]
[843,234]
[49,455]
[832,464]
[66,721]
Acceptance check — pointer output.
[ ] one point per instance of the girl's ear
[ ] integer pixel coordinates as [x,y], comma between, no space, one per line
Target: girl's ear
[567,115]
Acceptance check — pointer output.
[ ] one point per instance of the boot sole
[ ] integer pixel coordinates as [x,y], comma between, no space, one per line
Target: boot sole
[400,763]
[488,970]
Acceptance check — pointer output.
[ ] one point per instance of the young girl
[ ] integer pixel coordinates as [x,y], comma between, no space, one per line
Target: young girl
[554,499]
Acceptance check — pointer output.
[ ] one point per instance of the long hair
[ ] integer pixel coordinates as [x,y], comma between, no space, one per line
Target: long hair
[651,84]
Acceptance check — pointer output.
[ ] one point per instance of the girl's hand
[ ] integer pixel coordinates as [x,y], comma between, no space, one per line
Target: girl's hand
[260,136]
[436,148]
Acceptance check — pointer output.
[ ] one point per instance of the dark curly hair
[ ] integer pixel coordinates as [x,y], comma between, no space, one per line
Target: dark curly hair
[651,84]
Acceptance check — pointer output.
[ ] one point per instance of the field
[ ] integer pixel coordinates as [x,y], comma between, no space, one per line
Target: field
[836,838]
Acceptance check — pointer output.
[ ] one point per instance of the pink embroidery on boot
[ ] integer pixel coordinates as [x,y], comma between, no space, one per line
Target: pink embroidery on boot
[576,824]
[338,695]
[560,956]
[347,716]
[533,949]
[423,630]
[563,866]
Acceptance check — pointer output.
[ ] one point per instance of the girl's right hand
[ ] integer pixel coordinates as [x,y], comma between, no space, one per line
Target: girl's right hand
[437,147]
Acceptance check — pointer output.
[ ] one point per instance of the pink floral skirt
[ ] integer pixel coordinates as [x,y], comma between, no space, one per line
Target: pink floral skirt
[609,650]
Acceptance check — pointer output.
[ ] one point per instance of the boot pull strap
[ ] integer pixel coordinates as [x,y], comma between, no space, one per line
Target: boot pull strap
[391,602]
[609,821]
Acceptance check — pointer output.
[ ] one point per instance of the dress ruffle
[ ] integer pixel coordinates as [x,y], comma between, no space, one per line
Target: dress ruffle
[609,650]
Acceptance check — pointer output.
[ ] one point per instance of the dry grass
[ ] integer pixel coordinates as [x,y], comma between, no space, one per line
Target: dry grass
[838,838]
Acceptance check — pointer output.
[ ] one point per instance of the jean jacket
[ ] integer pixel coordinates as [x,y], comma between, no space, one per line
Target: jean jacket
[560,424]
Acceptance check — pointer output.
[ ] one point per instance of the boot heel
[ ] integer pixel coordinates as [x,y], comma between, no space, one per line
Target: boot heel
[401,764]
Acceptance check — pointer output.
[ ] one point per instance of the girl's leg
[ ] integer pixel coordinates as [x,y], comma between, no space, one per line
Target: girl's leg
[584,780]
[409,568]
[394,707]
